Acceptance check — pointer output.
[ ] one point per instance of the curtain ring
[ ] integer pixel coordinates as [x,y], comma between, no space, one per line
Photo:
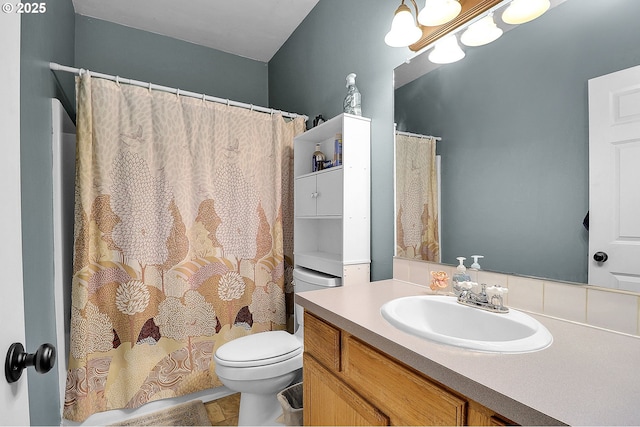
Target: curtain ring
[272,112]
[251,107]
[203,96]
[227,102]
[149,86]
[118,80]
[177,93]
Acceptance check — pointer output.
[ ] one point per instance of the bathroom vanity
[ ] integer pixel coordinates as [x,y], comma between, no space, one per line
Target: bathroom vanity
[342,374]
[360,370]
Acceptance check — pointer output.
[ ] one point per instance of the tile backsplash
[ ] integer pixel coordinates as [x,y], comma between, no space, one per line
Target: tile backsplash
[605,308]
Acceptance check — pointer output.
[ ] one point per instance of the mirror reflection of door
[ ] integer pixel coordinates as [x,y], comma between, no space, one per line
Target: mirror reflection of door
[614,180]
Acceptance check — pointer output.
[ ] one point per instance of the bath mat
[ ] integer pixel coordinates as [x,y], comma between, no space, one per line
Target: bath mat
[186,414]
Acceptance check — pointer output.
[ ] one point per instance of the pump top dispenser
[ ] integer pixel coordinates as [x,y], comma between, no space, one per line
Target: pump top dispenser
[475,265]
[461,273]
[352,102]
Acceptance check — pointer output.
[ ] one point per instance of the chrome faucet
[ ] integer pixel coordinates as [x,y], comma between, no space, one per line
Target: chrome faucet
[480,296]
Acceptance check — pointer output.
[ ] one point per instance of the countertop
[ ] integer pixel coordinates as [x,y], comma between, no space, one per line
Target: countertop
[588,376]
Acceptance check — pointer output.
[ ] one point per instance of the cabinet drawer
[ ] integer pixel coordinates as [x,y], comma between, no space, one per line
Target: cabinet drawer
[322,341]
[390,385]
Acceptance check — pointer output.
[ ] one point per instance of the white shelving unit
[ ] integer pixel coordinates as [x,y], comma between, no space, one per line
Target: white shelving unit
[332,222]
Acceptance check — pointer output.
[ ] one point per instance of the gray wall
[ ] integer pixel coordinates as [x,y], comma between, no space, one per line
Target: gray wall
[118,50]
[44,37]
[514,120]
[308,73]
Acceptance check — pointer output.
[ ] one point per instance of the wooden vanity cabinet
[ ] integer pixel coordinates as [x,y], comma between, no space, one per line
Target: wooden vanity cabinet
[348,382]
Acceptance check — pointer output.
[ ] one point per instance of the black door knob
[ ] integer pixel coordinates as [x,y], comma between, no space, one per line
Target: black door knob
[600,256]
[17,360]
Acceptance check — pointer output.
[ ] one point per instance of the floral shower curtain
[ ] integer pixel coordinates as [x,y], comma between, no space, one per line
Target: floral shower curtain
[183,240]
[416,198]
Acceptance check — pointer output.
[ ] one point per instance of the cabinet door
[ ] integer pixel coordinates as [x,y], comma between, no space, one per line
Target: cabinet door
[305,196]
[329,189]
[390,386]
[329,402]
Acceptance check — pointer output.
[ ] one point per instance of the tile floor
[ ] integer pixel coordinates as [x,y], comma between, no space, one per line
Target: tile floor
[224,411]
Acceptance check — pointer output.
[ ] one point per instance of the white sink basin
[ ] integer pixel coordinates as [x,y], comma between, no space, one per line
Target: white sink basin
[442,319]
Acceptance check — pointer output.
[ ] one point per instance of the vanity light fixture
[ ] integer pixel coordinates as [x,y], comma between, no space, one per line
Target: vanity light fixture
[521,11]
[446,51]
[439,12]
[404,30]
[481,32]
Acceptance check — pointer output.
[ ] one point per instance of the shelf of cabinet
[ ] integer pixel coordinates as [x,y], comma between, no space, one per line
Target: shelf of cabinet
[336,217]
[328,170]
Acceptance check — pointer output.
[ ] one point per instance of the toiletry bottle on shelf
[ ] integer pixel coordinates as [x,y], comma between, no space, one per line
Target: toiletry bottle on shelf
[337,150]
[460,275]
[475,265]
[352,102]
[317,159]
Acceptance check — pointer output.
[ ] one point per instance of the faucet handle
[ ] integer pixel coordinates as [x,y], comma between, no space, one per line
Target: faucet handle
[496,290]
[465,285]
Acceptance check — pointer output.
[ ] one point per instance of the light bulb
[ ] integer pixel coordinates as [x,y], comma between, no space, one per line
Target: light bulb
[404,31]
[438,12]
[446,51]
[481,32]
[521,11]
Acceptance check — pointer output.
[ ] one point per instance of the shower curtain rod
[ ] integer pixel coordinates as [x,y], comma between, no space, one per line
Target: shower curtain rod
[417,135]
[78,71]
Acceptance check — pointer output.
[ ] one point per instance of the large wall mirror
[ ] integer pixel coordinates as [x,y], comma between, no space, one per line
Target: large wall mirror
[513,117]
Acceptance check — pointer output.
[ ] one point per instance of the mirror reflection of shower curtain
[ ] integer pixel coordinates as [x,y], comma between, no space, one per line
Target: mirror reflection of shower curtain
[417,198]
[183,241]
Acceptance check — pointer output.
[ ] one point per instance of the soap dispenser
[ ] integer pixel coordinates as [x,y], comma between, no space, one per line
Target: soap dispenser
[460,275]
[475,265]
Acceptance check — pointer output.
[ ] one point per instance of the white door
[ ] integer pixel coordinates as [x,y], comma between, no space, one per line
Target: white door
[614,180]
[14,403]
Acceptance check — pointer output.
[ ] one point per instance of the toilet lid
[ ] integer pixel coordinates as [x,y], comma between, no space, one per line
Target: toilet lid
[259,349]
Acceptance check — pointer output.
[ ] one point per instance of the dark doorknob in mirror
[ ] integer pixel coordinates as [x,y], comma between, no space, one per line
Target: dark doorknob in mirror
[600,256]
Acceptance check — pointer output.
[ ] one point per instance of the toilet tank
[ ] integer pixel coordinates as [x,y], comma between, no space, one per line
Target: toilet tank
[304,280]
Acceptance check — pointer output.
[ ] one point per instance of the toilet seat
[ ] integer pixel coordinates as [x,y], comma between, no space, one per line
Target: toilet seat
[261,349]
[260,356]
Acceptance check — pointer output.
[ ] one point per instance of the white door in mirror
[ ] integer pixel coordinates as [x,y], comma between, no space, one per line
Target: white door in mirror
[614,179]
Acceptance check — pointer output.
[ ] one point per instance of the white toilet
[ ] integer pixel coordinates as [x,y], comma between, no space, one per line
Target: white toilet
[261,365]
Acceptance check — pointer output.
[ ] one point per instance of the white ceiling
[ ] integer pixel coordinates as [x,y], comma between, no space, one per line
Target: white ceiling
[254,29]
